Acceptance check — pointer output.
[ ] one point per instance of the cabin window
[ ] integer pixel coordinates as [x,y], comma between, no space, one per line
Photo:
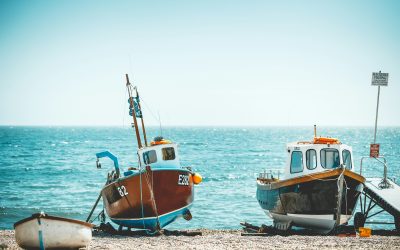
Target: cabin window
[330,158]
[296,162]
[149,157]
[168,154]
[347,158]
[311,159]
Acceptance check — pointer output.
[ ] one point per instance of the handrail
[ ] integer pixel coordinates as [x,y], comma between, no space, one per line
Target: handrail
[384,182]
[266,175]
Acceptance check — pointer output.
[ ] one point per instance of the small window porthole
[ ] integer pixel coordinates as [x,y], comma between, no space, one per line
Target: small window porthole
[347,158]
[296,162]
[330,158]
[149,157]
[311,159]
[168,154]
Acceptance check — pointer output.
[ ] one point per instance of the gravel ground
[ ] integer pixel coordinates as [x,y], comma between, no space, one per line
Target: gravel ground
[227,239]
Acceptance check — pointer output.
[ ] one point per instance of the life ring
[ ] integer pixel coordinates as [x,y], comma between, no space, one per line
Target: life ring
[154,143]
[326,140]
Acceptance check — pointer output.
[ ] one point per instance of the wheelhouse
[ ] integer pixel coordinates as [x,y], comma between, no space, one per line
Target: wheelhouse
[160,156]
[307,157]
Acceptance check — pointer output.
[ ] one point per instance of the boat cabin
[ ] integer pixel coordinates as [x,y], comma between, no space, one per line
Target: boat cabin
[160,155]
[311,157]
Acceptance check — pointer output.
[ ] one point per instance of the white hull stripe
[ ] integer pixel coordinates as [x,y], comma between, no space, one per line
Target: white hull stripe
[311,216]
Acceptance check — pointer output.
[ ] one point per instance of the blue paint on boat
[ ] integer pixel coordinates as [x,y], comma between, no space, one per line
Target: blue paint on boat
[111,156]
[150,223]
[41,244]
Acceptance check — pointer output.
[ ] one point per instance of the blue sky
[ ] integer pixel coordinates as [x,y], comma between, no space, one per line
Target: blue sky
[236,63]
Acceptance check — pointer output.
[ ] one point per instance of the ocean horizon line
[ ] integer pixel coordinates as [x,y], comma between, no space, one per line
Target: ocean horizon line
[195,126]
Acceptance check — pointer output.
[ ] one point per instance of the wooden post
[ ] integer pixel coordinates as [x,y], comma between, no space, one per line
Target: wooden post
[132,106]
[94,207]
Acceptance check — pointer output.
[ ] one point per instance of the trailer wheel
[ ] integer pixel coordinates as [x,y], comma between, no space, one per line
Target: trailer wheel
[397,224]
[359,220]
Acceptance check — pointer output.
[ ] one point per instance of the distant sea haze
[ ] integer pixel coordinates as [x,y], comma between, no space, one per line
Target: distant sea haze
[53,169]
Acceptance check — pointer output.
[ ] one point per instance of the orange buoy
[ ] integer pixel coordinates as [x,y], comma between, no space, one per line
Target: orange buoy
[196,178]
[326,140]
[163,141]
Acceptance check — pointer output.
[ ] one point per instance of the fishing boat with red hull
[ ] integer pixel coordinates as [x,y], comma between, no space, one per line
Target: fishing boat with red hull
[155,193]
[319,190]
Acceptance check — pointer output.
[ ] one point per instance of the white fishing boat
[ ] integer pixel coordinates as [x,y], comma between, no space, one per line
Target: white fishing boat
[43,231]
[319,190]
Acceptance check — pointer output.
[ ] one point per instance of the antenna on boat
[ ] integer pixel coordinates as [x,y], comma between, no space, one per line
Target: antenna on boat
[132,107]
[141,118]
[315,130]
[159,120]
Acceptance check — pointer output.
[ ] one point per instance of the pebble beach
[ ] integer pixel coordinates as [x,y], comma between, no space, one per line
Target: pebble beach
[226,239]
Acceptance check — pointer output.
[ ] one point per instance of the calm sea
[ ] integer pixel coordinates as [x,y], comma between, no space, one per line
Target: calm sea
[52,169]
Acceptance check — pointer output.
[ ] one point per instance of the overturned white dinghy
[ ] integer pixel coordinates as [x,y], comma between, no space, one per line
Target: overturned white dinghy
[44,231]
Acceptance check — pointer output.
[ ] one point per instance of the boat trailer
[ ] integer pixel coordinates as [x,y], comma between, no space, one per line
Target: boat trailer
[382,192]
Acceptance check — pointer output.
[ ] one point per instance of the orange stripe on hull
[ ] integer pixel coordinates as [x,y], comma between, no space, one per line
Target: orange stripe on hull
[307,178]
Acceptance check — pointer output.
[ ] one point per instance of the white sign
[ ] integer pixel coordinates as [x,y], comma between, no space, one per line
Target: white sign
[380,79]
[183,180]
[122,191]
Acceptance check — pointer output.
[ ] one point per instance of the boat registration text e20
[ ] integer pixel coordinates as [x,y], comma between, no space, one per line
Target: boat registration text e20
[183,180]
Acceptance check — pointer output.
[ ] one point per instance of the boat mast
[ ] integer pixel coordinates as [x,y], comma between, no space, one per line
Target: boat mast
[132,106]
[141,118]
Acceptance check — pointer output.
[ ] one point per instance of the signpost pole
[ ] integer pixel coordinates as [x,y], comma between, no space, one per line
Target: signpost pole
[376,116]
[378,79]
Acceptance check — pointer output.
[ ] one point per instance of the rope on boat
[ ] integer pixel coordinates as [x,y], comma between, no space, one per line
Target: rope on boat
[95,205]
[101,217]
[345,196]
[93,208]
[148,107]
[141,194]
[338,185]
[152,196]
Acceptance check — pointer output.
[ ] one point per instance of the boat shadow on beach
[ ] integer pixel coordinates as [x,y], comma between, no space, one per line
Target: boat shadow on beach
[105,230]
[347,231]
[344,231]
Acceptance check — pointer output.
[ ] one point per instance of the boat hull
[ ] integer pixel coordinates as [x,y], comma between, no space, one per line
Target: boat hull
[128,201]
[42,231]
[311,201]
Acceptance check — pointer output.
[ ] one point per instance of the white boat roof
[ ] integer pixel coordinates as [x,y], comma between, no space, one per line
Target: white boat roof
[311,144]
